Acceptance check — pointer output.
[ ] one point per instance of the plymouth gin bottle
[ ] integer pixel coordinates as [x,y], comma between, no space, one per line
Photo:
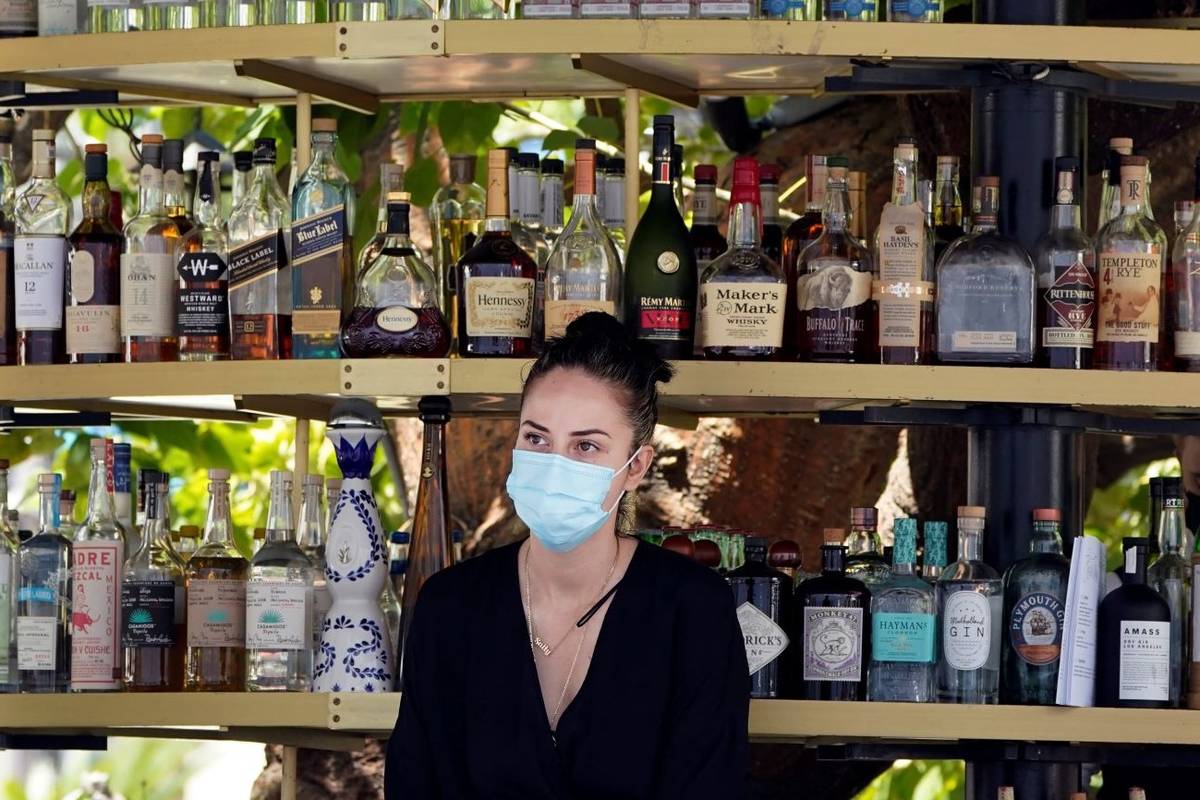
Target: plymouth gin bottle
[279,602]
[43,616]
[323,214]
[1035,597]
[760,594]
[970,595]
[1170,575]
[43,219]
[1133,640]
[202,294]
[903,627]
[660,267]
[864,550]
[1066,278]
[833,625]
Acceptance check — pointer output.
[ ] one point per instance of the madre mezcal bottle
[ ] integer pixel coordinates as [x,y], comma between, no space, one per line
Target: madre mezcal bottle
[43,218]
[1035,597]
[761,595]
[202,296]
[970,596]
[1066,279]
[903,627]
[1133,639]
[833,626]
[43,615]
[1171,576]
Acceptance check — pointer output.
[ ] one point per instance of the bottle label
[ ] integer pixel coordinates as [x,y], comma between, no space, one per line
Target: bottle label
[832,284]
[1145,660]
[724,9]
[1129,297]
[318,249]
[216,613]
[39,271]
[6,574]
[851,8]
[903,637]
[93,329]
[765,640]
[499,306]
[82,266]
[18,17]
[1072,302]
[914,8]
[37,639]
[704,206]
[664,319]
[96,614]
[256,259]
[1187,344]
[967,630]
[278,616]
[655,8]
[984,341]
[608,8]
[902,290]
[396,319]
[833,644]
[147,295]
[547,8]
[148,613]
[202,310]
[1035,629]
[743,314]
[561,313]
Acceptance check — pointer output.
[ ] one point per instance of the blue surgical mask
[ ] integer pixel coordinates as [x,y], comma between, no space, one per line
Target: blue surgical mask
[562,501]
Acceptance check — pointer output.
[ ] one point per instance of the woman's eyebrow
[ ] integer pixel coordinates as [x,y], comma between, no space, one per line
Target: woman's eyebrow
[533,424]
[591,432]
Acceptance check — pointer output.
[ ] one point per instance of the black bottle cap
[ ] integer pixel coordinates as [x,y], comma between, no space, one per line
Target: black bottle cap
[208,167]
[243,160]
[95,167]
[434,408]
[601,163]
[585,144]
[616,165]
[1196,178]
[528,160]
[552,166]
[907,140]
[172,155]
[264,150]
[397,212]
[664,120]
[676,162]
[1172,487]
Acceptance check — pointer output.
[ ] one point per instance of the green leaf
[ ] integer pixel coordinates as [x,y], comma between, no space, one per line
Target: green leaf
[422,180]
[179,122]
[600,128]
[465,127]
[559,140]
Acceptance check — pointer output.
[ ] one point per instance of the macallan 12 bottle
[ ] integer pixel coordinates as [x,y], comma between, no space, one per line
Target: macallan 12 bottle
[43,218]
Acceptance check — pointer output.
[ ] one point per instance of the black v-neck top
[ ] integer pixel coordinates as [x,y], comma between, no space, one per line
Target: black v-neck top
[662,712]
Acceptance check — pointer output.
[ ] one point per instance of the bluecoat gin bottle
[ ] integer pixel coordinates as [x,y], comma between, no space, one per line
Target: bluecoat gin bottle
[833,625]
[970,595]
[1133,640]
[1170,575]
[760,594]
[903,627]
[44,598]
[1035,596]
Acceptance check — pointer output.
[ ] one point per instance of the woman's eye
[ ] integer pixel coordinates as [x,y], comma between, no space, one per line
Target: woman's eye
[534,439]
[589,447]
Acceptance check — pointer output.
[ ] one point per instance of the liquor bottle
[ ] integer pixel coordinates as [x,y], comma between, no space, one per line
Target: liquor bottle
[1133,639]
[175,199]
[188,541]
[333,491]
[496,280]
[905,267]
[1137,793]
[1183,295]
[260,278]
[19,19]
[153,607]
[915,11]
[93,312]
[925,198]
[1170,575]
[864,549]
[202,296]
[707,241]
[527,224]
[66,513]
[279,602]
[784,555]
[391,181]
[120,464]
[1185,210]
[457,215]
[802,232]
[677,174]
[360,11]
[970,597]
[1066,277]
[947,208]
[856,189]
[111,16]
[849,10]
[742,293]
[772,222]
[1005,793]
[395,309]
[760,594]
[8,582]
[614,202]
[985,296]
[322,250]
[1131,264]
[795,10]
[44,592]
[903,627]
[660,268]
[1110,181]
[583,272]
[243,163]
[216,600]
[43,217]
[148,268]
[837,317]
[833,625]
[1035,598]
[310,535]
[551,190]
[290,12]
[398,564]
[431,547]
[8,183]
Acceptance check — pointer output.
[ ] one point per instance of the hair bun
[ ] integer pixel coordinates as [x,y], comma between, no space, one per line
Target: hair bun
[601,325]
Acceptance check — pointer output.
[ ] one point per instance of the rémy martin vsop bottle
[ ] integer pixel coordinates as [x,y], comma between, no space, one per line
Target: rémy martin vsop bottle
[660,272]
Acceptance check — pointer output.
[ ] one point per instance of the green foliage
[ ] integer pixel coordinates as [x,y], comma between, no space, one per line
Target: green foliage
[138,769]
[918,780]
[1121,509]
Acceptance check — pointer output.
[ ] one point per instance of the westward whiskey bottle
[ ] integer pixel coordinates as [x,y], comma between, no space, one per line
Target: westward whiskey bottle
[1133,640]
[202,299]
[833,626]
[93,312]
[1066,278]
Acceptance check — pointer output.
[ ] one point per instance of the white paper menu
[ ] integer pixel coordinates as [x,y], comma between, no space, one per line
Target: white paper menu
[1085,590]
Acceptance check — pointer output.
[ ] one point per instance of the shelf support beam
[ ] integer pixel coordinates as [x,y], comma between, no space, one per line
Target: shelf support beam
[303,130]
[132,88]
[334,92]
[636,78]
[287,786]
[633,166]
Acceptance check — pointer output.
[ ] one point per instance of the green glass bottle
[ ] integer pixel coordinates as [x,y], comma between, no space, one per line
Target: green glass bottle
[660,269]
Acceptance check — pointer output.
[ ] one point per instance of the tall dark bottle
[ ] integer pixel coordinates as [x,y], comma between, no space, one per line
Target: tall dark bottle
[1035,596]
[760,594]
[772,223]
[1065,260]
[660,268]
[707,241]
[92,316]
[1133,642]
[833,626]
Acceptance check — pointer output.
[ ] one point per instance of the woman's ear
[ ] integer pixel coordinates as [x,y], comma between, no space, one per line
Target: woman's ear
[639,466]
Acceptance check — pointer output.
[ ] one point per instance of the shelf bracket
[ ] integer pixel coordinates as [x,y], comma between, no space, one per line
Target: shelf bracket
[131,88]
[334,92]
[636,78]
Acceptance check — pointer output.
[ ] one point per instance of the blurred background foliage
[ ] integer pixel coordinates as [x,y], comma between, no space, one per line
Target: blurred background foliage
[133,769]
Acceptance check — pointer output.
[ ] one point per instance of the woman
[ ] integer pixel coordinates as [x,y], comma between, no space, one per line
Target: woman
[579,663]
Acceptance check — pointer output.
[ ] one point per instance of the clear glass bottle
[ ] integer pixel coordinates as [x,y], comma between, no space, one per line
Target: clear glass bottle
[795,10]
[111,16]
[904,627]
[360,10]
[457,214]
[93,312]
[43,218]
[8,586]
[985,296]
[322,249]
[837,319]
[947,206]
[742,293]
[1183,298]
[1110,181]
[552,197]
[1131,262]
[279,602]
[391,181]
[527,233]
[864,548]
[260,275]
[849,10]
[1171,576]
[1066,279]
[310,535]
[583,271]
[291,12]
[706,239]
[970,597]
[43,616]
[66,513]
[614,201]
[395,309]
[914,11]
[148,268]
[933,555]
[203,287]
[175,198]
[243,163]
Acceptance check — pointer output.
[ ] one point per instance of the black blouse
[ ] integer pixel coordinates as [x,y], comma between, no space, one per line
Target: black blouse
[662,712]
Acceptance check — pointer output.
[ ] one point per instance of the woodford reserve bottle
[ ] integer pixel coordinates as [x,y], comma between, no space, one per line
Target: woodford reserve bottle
[660,270]
[202,296]
[93,312]
[833,625]
[1066,279]
[496,280]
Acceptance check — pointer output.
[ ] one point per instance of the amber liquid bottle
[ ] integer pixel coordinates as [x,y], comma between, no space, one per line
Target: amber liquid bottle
[202,296]
[947,206]
[799,235]
[431,549]
[93,314]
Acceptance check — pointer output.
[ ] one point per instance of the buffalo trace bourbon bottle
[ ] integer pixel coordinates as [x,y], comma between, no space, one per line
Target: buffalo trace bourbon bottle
[833,625]
[903,627]
[742,293]
[1133,640]
[904,290]
[43,614]
[202,297]
[322,258]
[1066,278]
[93,312]
[1170,576]
[1035,598]
[660,270]
[1130,305]
[802,232]
[496,280]
[216,600]
[970,598]
[705,236]
[760,594]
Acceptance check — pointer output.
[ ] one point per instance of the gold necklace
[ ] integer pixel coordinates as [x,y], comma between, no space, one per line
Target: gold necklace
[537,642]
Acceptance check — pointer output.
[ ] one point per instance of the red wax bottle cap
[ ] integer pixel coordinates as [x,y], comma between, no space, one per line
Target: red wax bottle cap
[706,173]
[678,543]
[745,181]
[783,553]
[1046,515]
[707,553]
[768,173]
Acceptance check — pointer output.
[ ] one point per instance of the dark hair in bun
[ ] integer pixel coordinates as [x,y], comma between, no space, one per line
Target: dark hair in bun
[601,346]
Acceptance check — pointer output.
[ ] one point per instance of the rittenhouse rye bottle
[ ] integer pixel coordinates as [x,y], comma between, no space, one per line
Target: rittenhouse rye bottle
[1066,278]
[1171,576]
[93,312]
[761,595]
[1133,640]
[970,597]
[660,270]
[202,294]
[43,612]
[833,625]
[903,627]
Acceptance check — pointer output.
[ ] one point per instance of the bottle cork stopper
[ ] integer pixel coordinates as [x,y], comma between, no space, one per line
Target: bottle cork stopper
[834,535]
[1047,515]
[152,138]
[218,474]
[95,149]
[398,197]
[1120,143]
[972,512]
[324,125]
[947,160]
